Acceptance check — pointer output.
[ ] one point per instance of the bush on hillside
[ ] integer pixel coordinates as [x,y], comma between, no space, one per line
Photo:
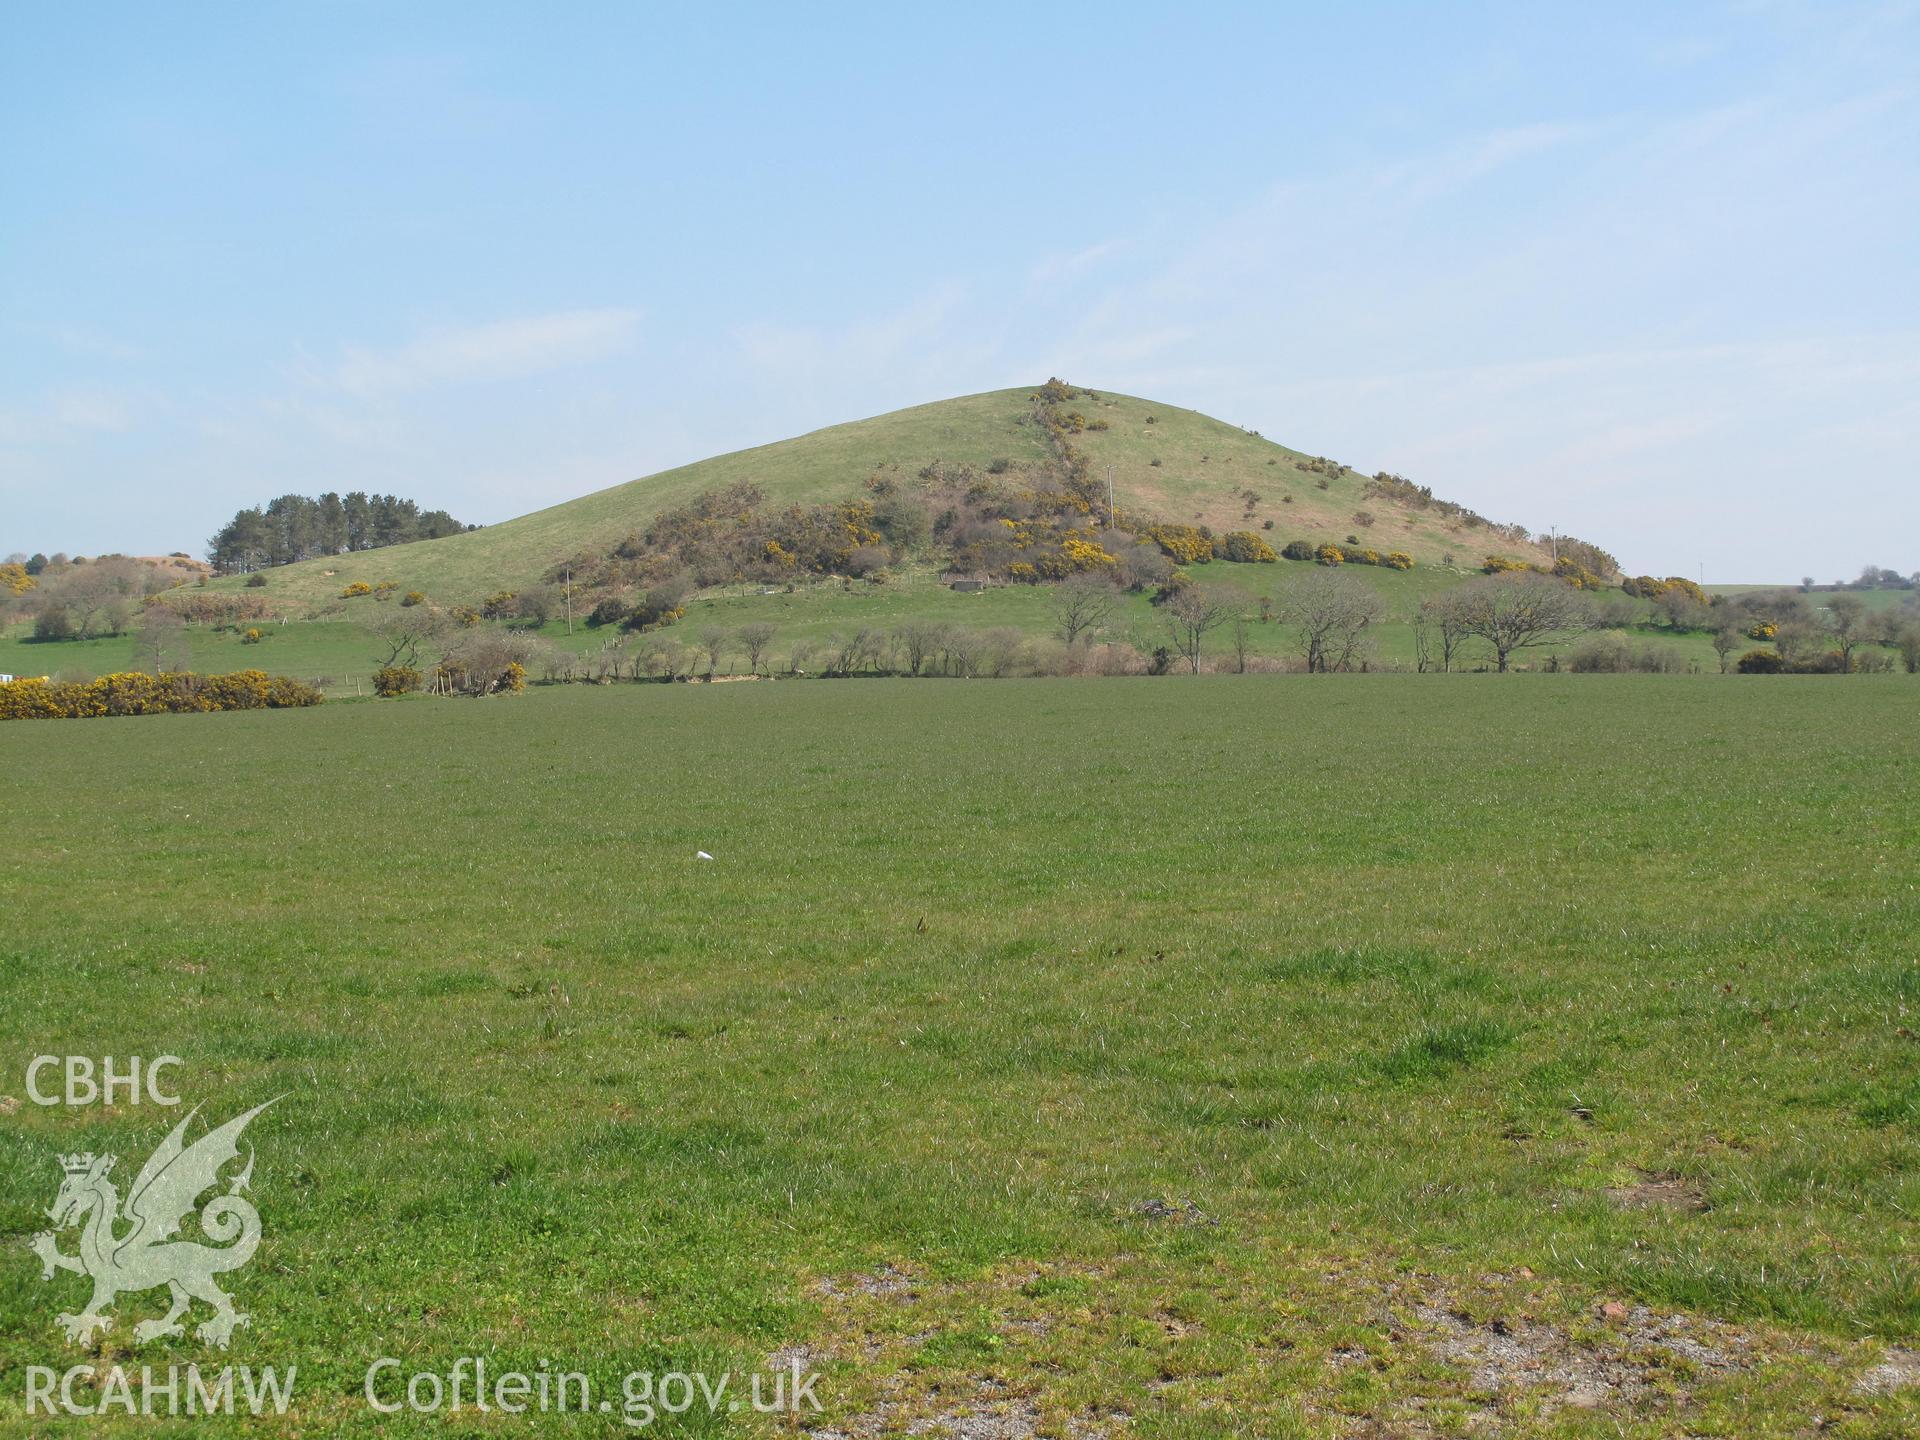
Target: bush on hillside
[1243,547]
[1182,544]
[610,611]
[391,680]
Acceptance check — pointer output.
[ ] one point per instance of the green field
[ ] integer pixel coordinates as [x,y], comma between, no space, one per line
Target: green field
[1236,1056]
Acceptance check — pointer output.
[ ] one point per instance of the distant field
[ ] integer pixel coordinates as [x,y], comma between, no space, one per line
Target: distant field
[1238,1056]
[1878,599]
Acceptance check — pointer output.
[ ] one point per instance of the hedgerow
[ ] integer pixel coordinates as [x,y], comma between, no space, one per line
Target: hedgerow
[133,693]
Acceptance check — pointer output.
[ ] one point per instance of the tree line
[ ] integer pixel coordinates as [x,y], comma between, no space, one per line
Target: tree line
[298,527]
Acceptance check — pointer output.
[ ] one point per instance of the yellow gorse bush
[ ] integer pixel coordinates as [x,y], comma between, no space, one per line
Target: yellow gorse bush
[1243,546]
[134,693]
[1182,544]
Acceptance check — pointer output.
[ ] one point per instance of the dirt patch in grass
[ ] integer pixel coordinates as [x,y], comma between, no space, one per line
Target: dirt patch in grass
[1660,1190]
[993,1413]
[1634,1354]
[887,1281]
[1897,1370]
[1181,1211]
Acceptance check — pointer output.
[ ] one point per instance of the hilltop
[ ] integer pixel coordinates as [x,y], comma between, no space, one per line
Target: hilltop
[1174,465]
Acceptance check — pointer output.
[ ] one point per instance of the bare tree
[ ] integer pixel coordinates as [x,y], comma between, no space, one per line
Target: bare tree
[1189,615]
[713,642]
[96,596]
[1725,640]
[960,651]
[1517,612]
[163,640]
[801,654]
[400,634]
[1792,639]
[920,639]
[1842,620]
[754,639]
[1449,628]
[554,662]
[1082,603]
[1910,649]
[1331,612]
[480,661]
[1000,649]
[849,653]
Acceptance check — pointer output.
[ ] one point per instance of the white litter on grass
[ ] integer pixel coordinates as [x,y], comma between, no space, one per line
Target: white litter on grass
[701,855]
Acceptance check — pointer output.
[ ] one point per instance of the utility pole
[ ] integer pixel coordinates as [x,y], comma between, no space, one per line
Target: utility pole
[569,599]
[1110,516]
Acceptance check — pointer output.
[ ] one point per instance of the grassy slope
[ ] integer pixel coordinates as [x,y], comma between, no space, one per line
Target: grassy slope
[1205,464]
[1393,978]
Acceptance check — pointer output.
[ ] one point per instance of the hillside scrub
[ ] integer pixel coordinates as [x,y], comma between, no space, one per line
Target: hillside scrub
[1023,521]
[1212,475]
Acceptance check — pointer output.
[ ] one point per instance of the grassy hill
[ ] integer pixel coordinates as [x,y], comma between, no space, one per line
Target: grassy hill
[1177,465]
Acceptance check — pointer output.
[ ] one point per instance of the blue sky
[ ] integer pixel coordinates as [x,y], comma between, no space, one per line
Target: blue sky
[1645,272]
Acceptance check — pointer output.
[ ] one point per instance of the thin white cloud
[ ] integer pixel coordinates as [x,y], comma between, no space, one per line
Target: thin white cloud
[501,350]
[1057,268]
[67,411]
[89,344]
[1481,156]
